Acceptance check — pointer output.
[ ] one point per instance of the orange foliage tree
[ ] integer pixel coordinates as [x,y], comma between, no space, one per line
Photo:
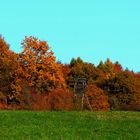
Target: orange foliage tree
[8,65]
[39,65]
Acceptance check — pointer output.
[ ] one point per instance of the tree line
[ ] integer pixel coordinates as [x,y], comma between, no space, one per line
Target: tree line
[34,80]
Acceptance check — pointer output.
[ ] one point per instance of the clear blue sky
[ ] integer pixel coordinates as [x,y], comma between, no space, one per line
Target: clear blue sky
[92,29]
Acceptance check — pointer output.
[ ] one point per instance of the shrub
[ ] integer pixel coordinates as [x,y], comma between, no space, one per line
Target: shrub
[97,98]
[2,105]
[38,102]
[58,99]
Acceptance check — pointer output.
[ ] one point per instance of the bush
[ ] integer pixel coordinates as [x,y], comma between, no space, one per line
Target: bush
[2,105]
[58,99]
[97,98]
[38,102]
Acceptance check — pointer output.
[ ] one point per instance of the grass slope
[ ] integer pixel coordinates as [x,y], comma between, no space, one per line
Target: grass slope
[24,125]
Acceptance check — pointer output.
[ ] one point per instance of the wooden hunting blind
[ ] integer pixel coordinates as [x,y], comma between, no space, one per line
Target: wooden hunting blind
[78,85]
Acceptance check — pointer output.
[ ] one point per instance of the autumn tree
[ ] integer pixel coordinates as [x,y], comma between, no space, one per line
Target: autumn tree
[39,65]
[117,67]
[79,68]
[108,68]
[66,70]
[122,90]
[9,86]
[4,68]
[74,61]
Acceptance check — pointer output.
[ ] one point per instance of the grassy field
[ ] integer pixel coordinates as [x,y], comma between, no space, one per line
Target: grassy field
[24,125]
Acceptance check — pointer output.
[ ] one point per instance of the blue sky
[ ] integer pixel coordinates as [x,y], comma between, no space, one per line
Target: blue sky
[92,29]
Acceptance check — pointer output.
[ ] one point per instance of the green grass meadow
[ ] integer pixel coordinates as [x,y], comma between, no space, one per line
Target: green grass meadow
[29,125]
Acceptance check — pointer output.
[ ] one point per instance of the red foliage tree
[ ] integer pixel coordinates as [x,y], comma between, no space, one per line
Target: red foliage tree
[117,67]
